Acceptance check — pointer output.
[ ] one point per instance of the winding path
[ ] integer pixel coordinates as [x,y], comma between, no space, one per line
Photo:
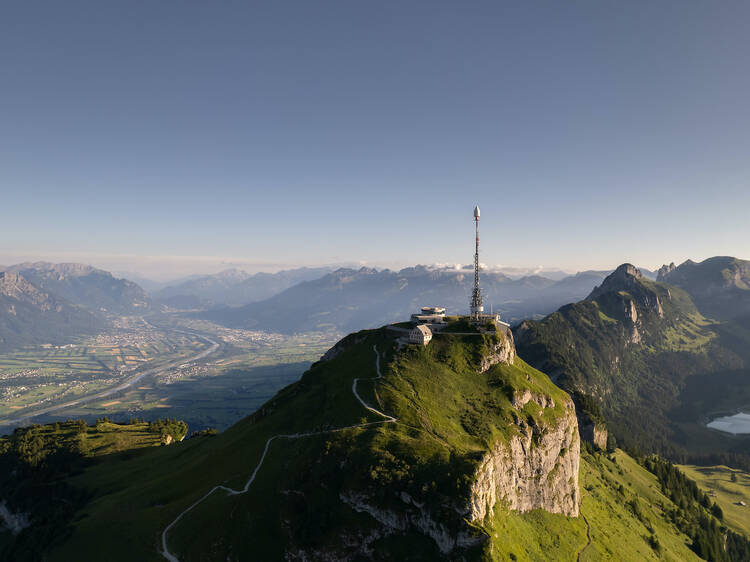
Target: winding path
[588,538]
[231,492]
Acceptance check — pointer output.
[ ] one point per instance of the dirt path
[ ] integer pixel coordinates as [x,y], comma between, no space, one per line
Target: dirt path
[588,538]
[231,492]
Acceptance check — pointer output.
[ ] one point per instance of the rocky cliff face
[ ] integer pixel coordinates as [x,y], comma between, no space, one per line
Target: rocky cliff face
[16,287]
[537,469]
[664,271]
[410,514]
[600,436]
[625,296]
[502,352]
[593,432]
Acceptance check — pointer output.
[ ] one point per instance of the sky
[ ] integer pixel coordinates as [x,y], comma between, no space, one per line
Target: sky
[156,136]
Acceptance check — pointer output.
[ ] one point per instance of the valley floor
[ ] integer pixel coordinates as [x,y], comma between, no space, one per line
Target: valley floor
[165,365]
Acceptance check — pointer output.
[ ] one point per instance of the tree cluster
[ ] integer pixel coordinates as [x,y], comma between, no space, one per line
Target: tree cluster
[172,427]
[697,516]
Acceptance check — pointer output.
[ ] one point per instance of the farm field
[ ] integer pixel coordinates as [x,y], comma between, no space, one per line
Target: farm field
[726,491]
[230,382]
[229,385]
[38,377]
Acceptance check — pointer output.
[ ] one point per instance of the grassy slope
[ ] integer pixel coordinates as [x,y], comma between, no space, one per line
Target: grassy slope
[135,500]
[35,462]
[104,438]
[728,493]
[446,419]
[107,438]
[468,411]
[448,415]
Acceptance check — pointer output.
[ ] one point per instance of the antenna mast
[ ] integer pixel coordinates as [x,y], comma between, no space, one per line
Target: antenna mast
[476,296]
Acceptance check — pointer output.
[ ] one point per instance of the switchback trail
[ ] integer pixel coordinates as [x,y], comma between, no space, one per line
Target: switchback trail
[588,538]
[231,492]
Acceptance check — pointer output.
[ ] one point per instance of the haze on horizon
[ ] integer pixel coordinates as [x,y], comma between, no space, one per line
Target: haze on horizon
[146,138]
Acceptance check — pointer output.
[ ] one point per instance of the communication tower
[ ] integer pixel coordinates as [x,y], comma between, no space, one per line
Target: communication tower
[476,296]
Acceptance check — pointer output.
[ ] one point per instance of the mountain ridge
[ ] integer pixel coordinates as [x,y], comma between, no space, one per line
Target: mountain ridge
[348,299]
[644,352]
[86,286]
[720,286]
[234,287]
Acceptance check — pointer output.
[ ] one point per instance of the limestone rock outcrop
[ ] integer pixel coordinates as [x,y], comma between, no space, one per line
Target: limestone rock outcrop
[523,397]
[528,459]
[410,514]
[502,352]
[665,270]
[537,469]
[593,432]
[623,295]
[17,287]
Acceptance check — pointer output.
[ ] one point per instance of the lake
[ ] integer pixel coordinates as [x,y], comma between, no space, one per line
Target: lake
[736,424]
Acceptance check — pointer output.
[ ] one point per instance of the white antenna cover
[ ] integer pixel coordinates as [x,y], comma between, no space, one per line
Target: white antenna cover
[476,212]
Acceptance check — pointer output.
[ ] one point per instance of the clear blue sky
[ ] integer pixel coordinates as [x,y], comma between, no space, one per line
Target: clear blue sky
[591,133]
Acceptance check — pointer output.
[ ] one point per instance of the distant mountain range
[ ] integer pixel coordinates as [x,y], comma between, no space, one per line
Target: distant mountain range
[86,286]
[78,299]
[50,303]
[314,299]
[234,287]
[351,299]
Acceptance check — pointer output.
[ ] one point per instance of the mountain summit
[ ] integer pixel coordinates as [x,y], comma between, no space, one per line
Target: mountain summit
[628,296]
[624,276]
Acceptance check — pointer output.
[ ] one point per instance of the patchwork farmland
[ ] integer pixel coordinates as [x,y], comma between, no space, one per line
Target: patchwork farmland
[36,376]
[237,372]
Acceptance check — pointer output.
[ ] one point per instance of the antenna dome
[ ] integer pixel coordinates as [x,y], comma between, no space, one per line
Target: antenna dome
[476,212]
